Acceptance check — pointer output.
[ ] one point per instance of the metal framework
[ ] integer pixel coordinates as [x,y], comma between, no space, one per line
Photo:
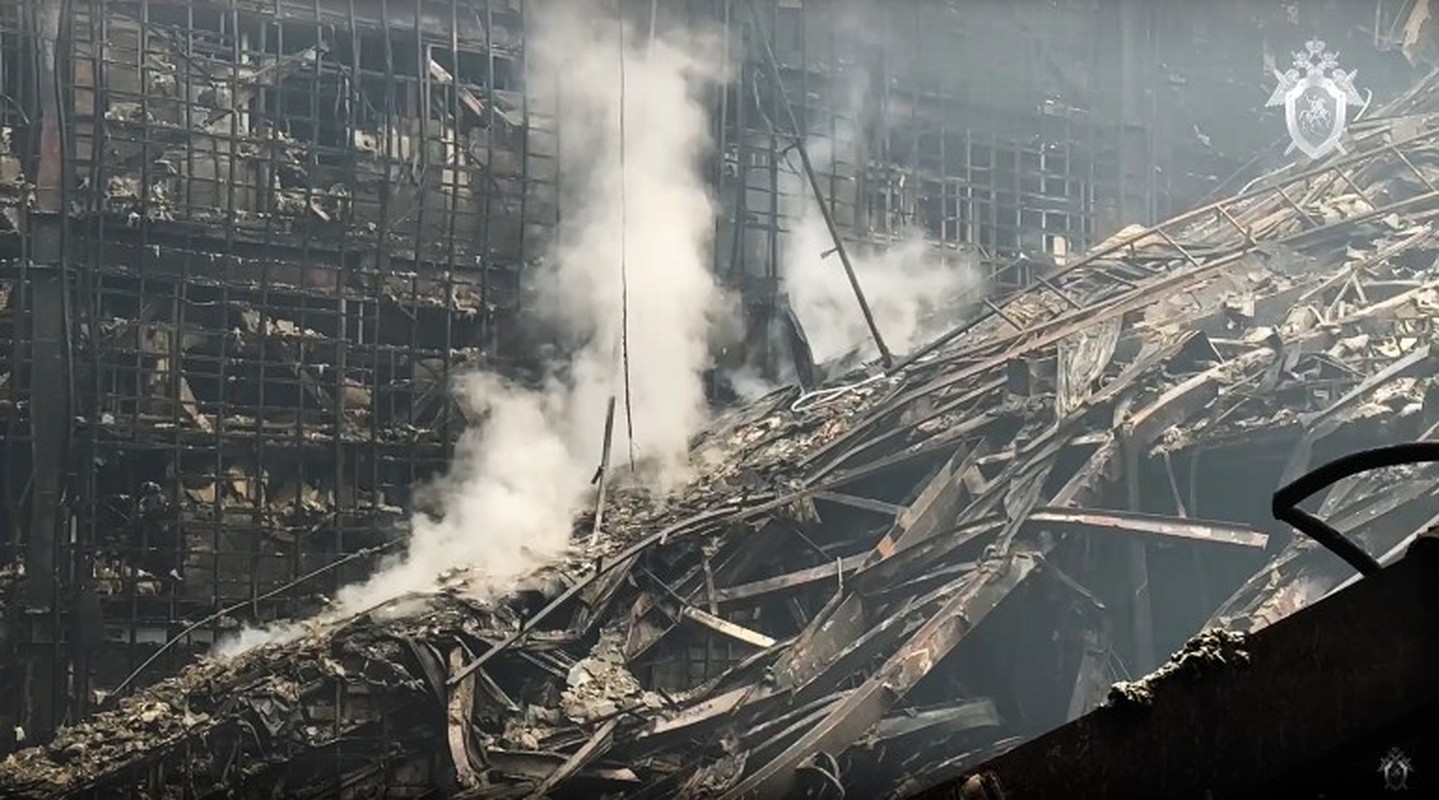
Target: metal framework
[1301,731]
[935,119]
[926,570]
[246,243]
[270,234]
[882,585]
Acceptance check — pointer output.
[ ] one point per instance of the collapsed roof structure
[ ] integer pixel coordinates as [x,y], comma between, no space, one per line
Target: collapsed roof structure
[908,570]
[241,269]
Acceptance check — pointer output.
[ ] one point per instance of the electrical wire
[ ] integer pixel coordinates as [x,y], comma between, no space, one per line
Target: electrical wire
[1285,506]
[624,254]
[829,770]
[1368,98]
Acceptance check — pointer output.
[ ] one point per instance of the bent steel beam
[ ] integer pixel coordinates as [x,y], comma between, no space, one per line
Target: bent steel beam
[1312,685]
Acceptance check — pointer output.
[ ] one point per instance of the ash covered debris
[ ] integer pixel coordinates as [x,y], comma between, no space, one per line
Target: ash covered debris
[1211,649]
[952,558]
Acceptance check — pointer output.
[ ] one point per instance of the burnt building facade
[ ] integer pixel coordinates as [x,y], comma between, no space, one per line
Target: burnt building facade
[245,244]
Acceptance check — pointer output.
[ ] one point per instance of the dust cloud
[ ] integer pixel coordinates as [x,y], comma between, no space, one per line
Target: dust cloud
[522,469]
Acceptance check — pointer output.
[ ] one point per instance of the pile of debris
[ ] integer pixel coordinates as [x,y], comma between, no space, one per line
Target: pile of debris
[876,584]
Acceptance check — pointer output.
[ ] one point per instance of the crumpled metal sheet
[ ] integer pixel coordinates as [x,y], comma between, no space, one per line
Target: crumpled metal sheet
[1082,359]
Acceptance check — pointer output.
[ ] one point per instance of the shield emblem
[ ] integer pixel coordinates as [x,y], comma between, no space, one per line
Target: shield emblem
[1316,113]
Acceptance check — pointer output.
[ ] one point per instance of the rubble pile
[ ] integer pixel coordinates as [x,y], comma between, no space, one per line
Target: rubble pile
[872,587]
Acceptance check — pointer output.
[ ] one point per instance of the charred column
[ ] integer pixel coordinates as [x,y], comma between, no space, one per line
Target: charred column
[49,398]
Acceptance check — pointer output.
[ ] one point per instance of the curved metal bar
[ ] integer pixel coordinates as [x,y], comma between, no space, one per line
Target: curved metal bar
[1285,505]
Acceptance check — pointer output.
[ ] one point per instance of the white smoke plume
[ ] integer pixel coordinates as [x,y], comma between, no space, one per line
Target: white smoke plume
[915,291]
[522,469]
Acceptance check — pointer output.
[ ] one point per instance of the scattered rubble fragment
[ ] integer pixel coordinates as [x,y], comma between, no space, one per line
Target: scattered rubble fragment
[1213,648]
[599,686]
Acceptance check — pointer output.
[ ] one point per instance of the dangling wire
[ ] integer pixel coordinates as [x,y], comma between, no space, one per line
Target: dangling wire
[624,252]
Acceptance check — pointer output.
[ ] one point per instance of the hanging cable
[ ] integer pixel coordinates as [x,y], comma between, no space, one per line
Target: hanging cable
[654,19]
[624,254]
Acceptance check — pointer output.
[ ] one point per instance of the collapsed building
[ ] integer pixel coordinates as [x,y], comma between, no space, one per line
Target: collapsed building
[252,244]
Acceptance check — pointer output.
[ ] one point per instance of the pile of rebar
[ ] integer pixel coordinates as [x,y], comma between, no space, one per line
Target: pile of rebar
[871,587]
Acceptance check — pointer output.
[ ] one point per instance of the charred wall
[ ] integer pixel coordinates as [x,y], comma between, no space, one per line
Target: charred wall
[244,245]
[987,128]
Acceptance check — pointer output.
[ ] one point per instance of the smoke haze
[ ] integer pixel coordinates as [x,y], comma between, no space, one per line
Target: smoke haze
[914,291]
[521,470]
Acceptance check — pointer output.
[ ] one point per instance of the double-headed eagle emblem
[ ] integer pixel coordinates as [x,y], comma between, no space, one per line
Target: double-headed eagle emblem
[1316,95]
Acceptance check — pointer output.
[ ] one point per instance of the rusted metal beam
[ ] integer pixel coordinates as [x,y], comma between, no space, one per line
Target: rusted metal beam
[866,705]
[1050,331]
[1308,690]
[459,733]
[886,358]
[790,580]
[842,620]
[603,475]
[864,503]
[971,714]
[624,558]
[1188,398]
[723,626]
[1128,522]
[935,506]
[1091,680]
[867,437]
[593,748]
[1321,424]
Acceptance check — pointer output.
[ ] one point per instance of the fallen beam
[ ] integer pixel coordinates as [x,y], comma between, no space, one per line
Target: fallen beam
[725,627]
[1322,682]
[1128,522]
[866,706]
[791,580]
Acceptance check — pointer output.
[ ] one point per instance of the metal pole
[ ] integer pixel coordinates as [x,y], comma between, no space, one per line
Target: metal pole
[604,473]
[885,356]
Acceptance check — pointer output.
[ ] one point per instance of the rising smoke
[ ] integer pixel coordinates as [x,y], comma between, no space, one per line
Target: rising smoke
[522,470]
[914,291]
